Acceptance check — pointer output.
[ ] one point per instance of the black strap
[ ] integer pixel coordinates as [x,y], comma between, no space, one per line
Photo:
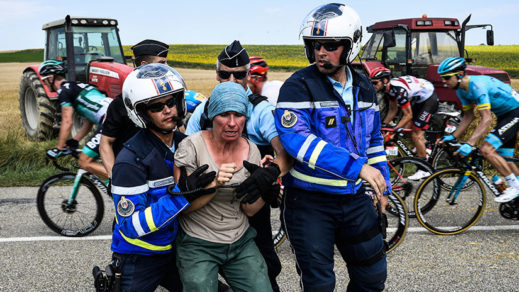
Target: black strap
[255,99]
[369,261]
[365,236]
[205,122]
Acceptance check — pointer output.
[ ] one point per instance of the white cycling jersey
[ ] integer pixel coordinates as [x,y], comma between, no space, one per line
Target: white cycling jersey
[407,88]
[271,90]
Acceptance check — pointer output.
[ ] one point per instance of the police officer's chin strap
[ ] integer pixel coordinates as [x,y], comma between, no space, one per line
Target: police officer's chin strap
[151,125]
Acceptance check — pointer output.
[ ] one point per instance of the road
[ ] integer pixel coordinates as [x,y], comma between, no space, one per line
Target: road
[484,258]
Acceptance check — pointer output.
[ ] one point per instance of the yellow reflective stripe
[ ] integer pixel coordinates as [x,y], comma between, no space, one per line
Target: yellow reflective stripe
[149,219]
[467,107]
[468,172]
[321,181]
[145,245]
[317,150]
[484,106]
[377,159]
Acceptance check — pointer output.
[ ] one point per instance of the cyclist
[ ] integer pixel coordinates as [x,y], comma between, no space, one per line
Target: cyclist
[488,95]
[233,64]
[146,215]
[418,102]
[88,102]
[328,120]
[258,82]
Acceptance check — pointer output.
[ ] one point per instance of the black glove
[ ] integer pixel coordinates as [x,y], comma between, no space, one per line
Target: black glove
[72,143]
[262,182]
[192,186]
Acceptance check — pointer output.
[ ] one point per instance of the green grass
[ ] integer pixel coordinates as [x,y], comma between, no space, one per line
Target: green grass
[285,57]
[32,55]
[23,164]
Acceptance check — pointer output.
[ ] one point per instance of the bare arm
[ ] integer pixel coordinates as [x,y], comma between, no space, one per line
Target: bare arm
[393,109]
[66,126]
[482,128]
[107,153]
[468,117]
[251,209]
[408,116]
[283,159]
[85,128]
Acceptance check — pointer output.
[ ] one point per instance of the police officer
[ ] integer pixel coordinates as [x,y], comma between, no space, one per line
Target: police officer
[328,119]
[117,127]
[146,227]
[233,65]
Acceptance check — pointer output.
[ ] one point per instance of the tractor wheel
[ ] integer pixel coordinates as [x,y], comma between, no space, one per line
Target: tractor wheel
[38,112]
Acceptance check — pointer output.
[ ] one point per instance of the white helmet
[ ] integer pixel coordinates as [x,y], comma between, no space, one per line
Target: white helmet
[333,21]
[149,82]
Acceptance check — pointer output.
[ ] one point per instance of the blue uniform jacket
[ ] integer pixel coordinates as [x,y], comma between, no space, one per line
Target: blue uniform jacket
[146,215]
[330,141]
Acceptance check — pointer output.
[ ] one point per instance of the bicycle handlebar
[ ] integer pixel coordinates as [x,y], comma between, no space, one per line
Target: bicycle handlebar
[74,153]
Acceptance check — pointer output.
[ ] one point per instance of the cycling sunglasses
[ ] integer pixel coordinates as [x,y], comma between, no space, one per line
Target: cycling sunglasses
[159,106]
[239,75]
[448,76]
[330,47]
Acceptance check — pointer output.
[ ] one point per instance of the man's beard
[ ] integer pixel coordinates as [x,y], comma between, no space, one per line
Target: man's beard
[329,69]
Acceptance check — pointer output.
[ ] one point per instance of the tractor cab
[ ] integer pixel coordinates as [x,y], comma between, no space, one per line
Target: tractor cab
[79,40]
[416,46]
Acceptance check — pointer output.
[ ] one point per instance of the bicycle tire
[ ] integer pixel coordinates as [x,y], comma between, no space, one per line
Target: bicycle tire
[398,222]
[399,171]
[72,221]
[443,217]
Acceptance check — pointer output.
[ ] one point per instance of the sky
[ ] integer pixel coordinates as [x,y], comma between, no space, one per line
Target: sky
[252,22]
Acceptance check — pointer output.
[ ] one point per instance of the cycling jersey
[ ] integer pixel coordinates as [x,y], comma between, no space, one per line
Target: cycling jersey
[407,88]
[488,93]
[86,100]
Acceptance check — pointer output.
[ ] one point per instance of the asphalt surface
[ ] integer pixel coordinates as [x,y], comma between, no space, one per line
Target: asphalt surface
[485,258]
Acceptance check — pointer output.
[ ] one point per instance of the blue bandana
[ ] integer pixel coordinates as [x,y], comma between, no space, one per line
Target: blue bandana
[227,97]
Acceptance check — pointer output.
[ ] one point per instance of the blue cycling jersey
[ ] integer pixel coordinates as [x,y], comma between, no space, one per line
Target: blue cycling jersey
[488,93]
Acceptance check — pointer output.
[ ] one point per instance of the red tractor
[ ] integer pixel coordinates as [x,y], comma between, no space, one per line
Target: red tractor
[92,52]
[416,46]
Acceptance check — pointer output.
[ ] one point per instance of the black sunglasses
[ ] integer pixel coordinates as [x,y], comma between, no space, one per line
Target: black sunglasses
[159,106]
[237,74]
[330,47]
[375,82]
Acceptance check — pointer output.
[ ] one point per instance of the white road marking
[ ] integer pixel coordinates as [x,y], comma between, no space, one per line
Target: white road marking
[109,237]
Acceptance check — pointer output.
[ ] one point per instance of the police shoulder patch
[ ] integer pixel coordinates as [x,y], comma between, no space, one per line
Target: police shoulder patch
[288,119]
[125,207]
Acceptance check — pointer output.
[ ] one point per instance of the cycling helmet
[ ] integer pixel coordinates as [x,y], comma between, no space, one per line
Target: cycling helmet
[52,67]
[380,73]
[149,82]
[258,66]
[452,64]
[336,22]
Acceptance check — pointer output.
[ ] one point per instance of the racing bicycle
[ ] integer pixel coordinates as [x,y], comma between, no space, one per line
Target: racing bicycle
[69,203]
[462,198]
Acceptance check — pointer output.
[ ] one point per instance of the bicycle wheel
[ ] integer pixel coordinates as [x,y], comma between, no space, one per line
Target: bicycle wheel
[442,160]
[398,220]
[447,215]
[400,169]
[81,217]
